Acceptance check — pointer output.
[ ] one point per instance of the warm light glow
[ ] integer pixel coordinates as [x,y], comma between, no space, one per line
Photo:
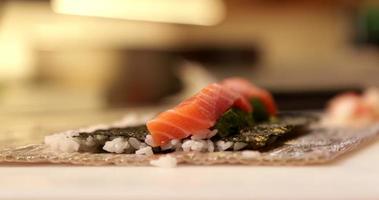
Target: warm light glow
[197,12]
[15,58]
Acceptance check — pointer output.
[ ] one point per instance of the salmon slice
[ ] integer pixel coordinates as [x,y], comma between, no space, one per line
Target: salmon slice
[243,104]
[194,115]
[248,90]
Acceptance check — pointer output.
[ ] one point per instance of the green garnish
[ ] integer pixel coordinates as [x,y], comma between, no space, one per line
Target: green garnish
[259,110]
[232,121]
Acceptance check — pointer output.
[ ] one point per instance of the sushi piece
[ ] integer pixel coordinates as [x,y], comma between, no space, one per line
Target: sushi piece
[354,110]
[195,115]
[135,139]
[222,116]
[250,91]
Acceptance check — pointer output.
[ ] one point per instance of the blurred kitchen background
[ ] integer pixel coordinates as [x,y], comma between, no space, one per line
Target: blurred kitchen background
[82,56]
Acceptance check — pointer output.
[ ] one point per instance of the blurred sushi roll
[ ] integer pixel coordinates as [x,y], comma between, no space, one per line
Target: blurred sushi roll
[353,110]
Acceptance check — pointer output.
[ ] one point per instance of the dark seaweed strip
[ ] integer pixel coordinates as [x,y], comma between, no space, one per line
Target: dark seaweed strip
[103,135]
[138,132]
[257,136]
[260,135]
[232,121]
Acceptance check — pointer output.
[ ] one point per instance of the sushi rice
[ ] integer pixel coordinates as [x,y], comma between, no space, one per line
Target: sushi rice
[68,142]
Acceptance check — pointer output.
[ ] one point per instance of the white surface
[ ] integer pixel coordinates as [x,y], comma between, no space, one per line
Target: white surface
[355,176]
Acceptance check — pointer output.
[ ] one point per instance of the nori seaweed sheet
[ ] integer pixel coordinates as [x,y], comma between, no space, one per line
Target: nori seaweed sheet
[139,132]
[257,136]
[260,135]
[103,135]
[268,135]
[232,121]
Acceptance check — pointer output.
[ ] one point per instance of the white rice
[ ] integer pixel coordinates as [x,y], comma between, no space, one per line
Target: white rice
[176,144]
[148,151]
[67,142]
[117,145]
[186,146]
[173,144]
[63,141]
[165,162]
[136,144]
[204,136]
[195,145]
[198,146]
[211,146]
[222,145]
[149,140]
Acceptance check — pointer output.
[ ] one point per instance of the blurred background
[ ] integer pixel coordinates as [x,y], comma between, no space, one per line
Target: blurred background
[90,59]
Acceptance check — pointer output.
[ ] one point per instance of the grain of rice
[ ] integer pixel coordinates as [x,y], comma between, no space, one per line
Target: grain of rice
[167,146]
[148,151]
[173,144]
[211,146]
[134,143]
[63,141]
[204,136]
[149,140]
[69,146]
[222,145]
[186,146]
[194,145]
[117,145]
[177,145]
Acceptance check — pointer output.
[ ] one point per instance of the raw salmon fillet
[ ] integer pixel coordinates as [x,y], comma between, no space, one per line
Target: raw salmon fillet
[196,114]
[248,90]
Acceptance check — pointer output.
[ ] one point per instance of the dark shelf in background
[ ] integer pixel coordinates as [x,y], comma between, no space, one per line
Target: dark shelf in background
[308,100]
